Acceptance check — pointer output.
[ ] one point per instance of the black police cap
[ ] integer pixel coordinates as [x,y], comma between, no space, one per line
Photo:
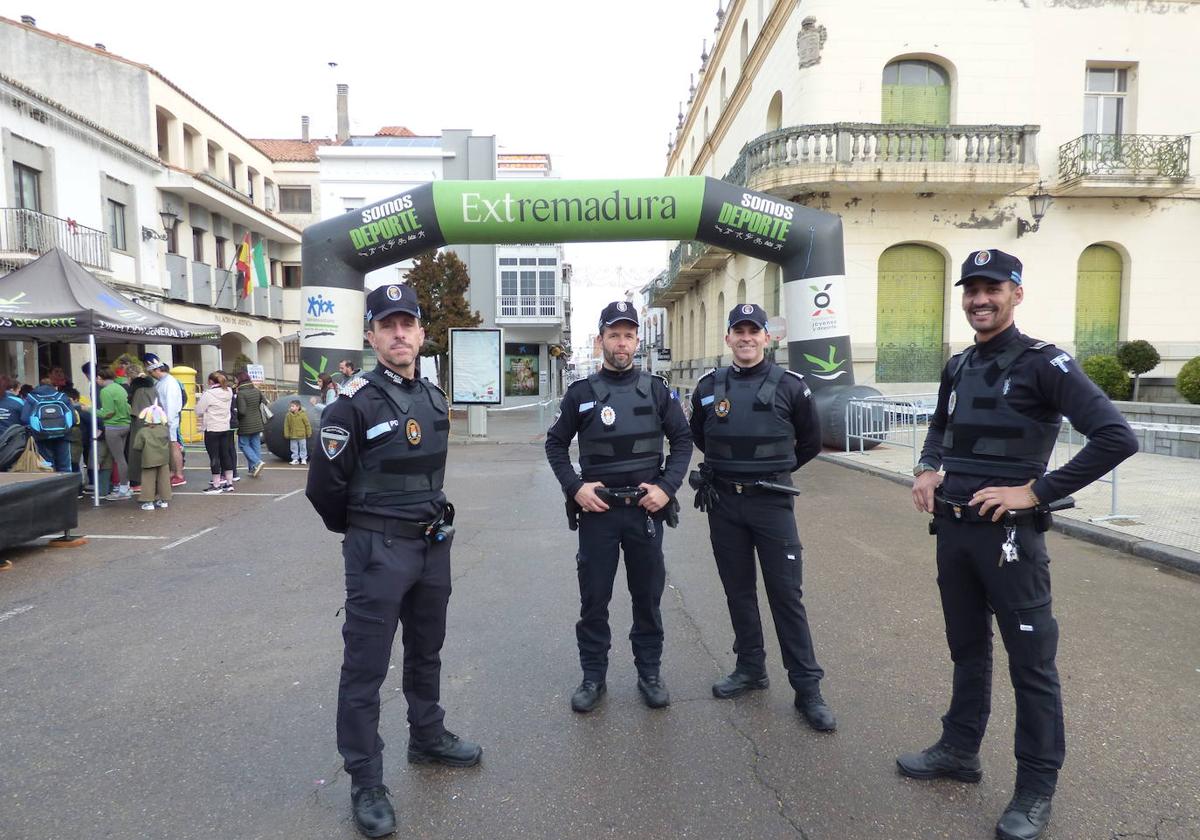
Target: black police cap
[392,298]
[992,265]
[618,310]
[750,312]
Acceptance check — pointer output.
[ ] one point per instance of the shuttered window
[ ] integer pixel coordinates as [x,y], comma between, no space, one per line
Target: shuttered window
[1098,301]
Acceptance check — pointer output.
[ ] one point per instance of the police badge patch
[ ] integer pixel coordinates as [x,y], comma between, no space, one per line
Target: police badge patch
[412,431]
[608,416]
[333,440]
[722,409]
[953,402]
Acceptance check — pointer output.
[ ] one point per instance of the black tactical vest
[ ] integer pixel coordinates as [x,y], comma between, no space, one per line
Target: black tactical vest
[624,433]
[984,435]
[410,466]
[752,438]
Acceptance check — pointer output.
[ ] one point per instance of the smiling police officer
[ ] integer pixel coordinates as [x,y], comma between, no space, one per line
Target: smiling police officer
[756,423]
[378,480]
[622,500]
[1000,406]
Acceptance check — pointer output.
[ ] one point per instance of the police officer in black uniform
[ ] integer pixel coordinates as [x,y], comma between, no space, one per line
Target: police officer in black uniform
[1000,405]
[378,479]
[621,500]
[756,423]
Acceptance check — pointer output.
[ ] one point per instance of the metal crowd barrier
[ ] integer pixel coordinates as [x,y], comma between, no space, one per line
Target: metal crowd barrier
[896,419]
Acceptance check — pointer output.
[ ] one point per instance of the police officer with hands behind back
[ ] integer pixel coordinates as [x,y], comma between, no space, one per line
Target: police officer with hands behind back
[1000,405]
[756,423]
[622,500]
[378,479]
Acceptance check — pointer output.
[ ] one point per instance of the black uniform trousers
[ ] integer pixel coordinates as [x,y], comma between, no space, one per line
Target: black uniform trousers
[390,580]
[974,585]
[738,525]
[602,536]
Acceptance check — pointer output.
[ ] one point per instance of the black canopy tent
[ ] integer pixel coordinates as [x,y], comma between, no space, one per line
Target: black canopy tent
[54,298]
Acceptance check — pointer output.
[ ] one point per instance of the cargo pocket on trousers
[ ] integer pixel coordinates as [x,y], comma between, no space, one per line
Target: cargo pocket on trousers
[362,623]
[1035,636]
[793,557]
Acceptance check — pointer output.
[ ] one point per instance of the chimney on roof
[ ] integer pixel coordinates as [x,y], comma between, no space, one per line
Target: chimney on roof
[28,20]
[343,113]
[304,129]
[101,47]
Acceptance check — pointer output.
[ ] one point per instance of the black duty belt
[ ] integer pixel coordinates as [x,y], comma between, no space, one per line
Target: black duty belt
[962,512]
[389,526]
[620,496]
[750,486]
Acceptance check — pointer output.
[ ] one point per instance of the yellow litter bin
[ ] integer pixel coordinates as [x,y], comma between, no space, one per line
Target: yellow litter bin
[188,427]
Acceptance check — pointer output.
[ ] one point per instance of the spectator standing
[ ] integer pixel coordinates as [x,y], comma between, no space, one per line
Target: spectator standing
[11,405]
[297,430]
[172,398]
[250,423]
[154,449]
[213,411]
[141,396]
[114,411]
[329,391]
[49,415]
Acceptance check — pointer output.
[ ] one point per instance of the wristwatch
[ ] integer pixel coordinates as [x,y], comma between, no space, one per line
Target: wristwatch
[922,467]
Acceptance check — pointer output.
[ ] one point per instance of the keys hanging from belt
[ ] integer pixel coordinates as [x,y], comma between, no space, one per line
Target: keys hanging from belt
[1008,551]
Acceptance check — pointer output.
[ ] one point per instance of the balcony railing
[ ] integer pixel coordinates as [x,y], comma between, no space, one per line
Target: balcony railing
[529,307]
[30,232]
[877,143]
[1124,156]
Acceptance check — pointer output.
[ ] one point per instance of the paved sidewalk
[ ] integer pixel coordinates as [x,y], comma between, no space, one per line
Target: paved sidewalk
[1157,502]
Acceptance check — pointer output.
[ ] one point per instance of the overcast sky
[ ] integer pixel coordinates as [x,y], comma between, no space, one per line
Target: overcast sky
[595,84]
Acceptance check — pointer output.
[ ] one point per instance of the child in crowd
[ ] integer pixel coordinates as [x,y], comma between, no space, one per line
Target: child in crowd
[151,441]
[297,430]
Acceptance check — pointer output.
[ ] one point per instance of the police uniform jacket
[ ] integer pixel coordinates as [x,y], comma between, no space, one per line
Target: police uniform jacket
[749,439]
[382,451]
[641,410]
[1000,404]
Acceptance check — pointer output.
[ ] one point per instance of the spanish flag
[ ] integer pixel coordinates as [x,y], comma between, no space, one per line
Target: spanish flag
[243,267]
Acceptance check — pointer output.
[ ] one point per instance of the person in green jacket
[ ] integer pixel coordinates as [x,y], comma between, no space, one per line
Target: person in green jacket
[141,396]
[250,423]
[114,411]
[155,450]
[297,430]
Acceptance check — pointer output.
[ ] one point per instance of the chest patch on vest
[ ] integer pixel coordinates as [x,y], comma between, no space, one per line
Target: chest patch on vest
[608,415]
[333,440]
[722,409]
[412,431]
[953,402]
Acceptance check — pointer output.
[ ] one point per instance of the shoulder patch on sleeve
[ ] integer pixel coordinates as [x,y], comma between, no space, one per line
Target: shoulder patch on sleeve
[333,440]
[353,386]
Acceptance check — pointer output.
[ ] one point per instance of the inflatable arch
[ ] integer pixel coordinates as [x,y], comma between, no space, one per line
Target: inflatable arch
[807,244]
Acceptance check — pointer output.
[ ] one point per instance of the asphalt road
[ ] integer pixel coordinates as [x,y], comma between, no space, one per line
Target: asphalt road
[165,689]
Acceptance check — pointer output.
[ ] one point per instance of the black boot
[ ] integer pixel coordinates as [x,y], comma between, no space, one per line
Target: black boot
[654,691]
[1026,816]
[941,760]
[816,711]
[449,749]
[373,813]
[587,696]
[737,684]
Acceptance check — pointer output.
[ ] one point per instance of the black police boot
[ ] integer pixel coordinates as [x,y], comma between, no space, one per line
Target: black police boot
[815,710]
[941,760]
[654,691]
[587,696]
[449,749]
[1026,816]
[373,813]
[737,684]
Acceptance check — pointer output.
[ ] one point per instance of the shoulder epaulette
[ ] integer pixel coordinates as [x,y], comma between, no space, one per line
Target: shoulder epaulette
[435,386]
[710,373]
[575,382]
[663,380]
[349,389]
[799,376]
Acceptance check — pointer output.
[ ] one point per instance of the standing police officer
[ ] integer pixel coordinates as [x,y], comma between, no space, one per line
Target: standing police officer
[1000,405]
[621,500]
[756,423]
[378,480]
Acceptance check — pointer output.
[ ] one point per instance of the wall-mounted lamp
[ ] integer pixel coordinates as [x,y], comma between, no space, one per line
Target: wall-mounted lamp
[1039,203]
[169,219]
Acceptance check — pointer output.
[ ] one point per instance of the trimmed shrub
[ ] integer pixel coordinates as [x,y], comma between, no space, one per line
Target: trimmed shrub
[1108,374]
[1187,383]
[1138,357]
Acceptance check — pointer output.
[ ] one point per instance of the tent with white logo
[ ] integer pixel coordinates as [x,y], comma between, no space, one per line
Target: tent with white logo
[55,298]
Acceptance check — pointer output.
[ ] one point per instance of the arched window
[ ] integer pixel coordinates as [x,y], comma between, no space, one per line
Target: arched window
[705,125]
[916,92]
[772,290]
[775,112]
[691,336]
[910,304]
[741,291]
[745,50]
[724,93]
[1098,301]
[702,336]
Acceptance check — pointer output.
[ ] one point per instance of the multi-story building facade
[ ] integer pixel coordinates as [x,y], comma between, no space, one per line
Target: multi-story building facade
[172,222]
[936,133]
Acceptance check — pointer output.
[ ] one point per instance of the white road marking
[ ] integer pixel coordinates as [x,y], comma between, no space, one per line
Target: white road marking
[118,537]
[191,537]
[15,612]
[289,495]
[234,493]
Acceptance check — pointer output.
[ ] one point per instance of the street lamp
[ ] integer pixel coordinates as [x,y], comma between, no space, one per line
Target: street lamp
[1039,203]
[169,219]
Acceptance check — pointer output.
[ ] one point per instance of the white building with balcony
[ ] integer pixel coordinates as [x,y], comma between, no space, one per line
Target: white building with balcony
[927,133]
[173,231]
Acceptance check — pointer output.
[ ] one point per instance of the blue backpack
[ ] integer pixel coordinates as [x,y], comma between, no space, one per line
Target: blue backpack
[52,416]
